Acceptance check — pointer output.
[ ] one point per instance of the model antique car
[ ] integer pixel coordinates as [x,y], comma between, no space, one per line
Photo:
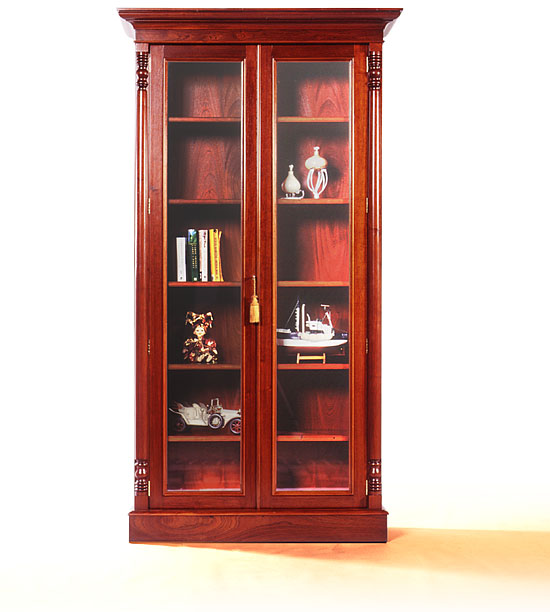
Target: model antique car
[214,416]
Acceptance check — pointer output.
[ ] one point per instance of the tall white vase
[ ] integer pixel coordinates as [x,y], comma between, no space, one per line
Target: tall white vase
[317,177]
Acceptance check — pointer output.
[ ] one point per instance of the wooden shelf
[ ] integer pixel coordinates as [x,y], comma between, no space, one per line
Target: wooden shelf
[313,201]
[313,489]
[313,119]
[204,367]
[204,119]
[307,283]
[222,438]
[313,366]
[311,437]
[180,201]
[205,284]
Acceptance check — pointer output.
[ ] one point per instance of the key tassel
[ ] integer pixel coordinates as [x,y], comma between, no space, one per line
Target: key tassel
[254,306]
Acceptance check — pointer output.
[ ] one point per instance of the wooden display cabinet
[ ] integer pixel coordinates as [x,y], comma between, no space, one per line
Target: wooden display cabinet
[227,101]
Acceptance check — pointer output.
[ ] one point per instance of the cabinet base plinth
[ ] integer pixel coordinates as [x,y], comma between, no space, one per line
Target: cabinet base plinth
[158,526]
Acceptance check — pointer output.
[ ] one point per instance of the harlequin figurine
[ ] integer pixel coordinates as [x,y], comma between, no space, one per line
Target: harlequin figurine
[199,349]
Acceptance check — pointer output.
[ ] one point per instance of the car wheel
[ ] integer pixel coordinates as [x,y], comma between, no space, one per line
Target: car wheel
[176,423]
[179,425]
[215,421]
[235,426]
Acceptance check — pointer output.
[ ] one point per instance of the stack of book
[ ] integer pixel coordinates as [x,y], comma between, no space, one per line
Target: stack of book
[198,256]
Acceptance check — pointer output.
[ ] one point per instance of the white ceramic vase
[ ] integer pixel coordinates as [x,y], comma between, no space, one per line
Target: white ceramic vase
[291,186]
[317,177]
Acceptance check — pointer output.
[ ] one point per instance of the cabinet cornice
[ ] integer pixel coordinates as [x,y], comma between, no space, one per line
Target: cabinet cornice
[252,26]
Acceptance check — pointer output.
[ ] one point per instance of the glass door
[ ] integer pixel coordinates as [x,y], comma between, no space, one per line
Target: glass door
[203,253]
[206,421]
[315,418]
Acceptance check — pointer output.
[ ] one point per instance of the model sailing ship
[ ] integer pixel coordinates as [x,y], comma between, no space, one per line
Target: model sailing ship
[311,335]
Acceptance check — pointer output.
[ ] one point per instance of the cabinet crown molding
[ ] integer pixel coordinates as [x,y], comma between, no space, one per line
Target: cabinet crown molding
[218,26]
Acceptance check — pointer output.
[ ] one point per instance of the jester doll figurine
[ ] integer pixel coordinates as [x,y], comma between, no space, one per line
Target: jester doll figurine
[199,349]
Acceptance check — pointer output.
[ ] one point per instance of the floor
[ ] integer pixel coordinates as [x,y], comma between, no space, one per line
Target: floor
[417,569]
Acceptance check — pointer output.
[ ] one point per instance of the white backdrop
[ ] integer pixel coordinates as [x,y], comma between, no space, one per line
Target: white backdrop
[466,253]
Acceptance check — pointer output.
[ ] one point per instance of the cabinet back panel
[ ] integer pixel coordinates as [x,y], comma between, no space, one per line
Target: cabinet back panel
[320,406]
[204,89]
[204,161]
[313,243]
[203,385]
[313,89]
[203,465]
[312,465]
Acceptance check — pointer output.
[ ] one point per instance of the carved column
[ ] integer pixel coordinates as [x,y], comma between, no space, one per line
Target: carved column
[141,477]
[142,344]
[375,476]
[374,267]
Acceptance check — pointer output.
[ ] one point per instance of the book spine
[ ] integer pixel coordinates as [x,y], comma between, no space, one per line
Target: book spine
[215,257]
[219,255]
[181,259]
[203,255]
[192,255]
[212,255]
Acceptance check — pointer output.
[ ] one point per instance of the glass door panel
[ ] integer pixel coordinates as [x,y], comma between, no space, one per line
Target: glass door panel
[203,277]
[312,213]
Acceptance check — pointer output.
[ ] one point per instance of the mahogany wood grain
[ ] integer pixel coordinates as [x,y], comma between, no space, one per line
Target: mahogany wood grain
[312,119]
[321,481]
[207,91]
[205,161]
[203,465]
[204,119]
[201,367]
[313,245]
[230,322]
[310,437]
[251,235]
[199,284]
[374,266]
[313,465]
[312,91]
[164,17]
[141,501]
[203,201]
[205,53]
[313,283]
[308,201]
[155,269]
[253,26]
[259,526]
[313,366]
[314,401]
[202,385]
[358,294]
[266,362]
[213,437]
[196,161]
[312,52]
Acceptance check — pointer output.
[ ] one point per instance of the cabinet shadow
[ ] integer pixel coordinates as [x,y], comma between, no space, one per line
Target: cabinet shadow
[496,554]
